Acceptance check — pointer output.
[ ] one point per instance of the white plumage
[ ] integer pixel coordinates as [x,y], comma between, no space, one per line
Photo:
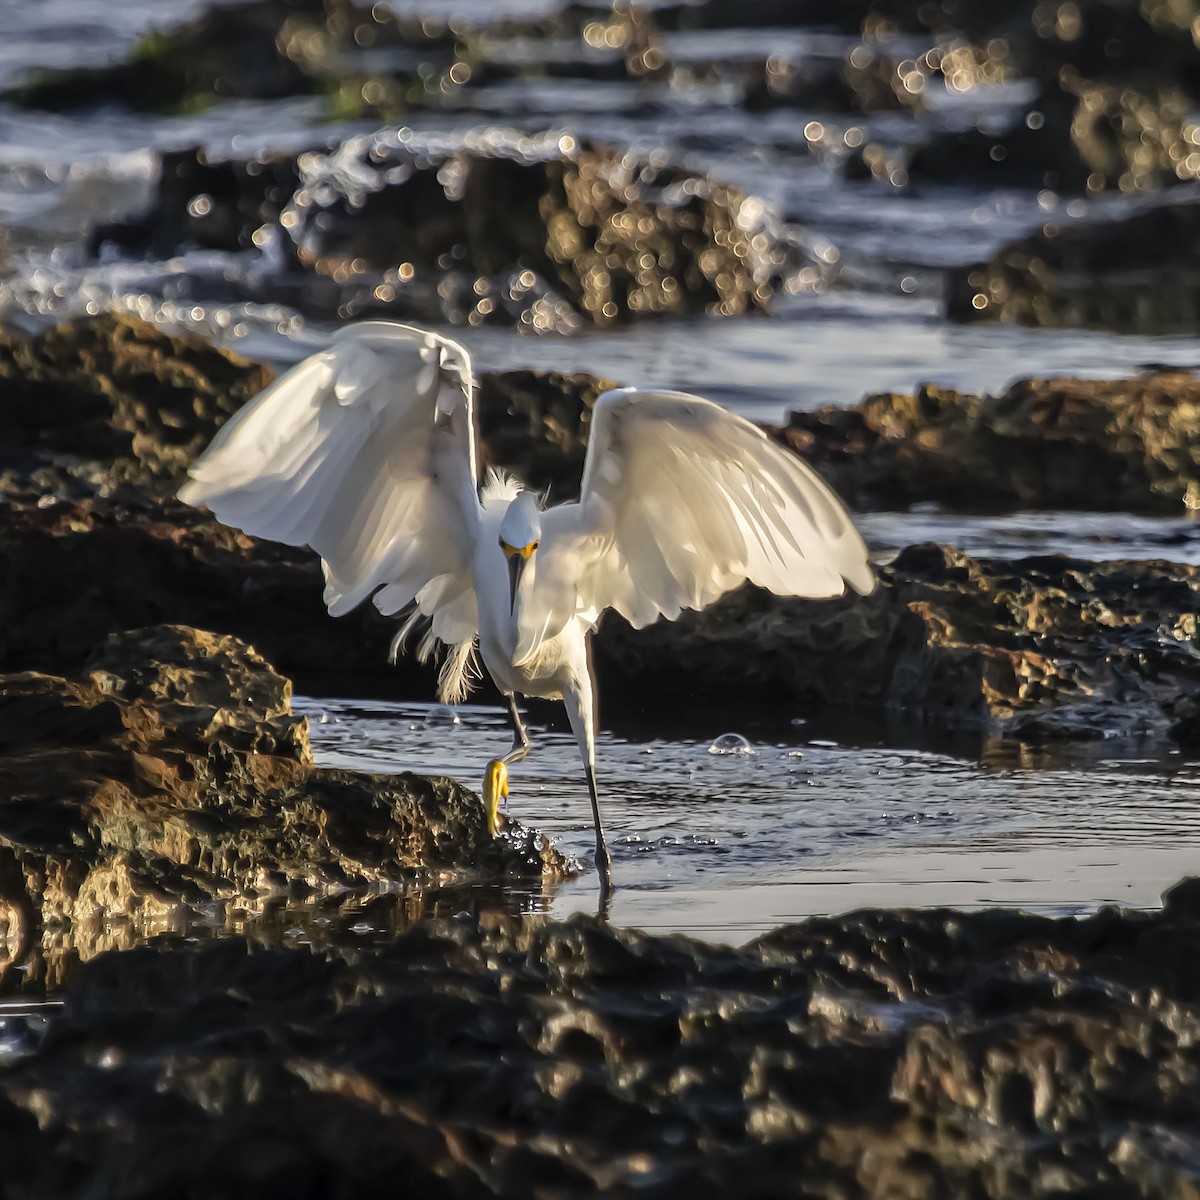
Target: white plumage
[366,453]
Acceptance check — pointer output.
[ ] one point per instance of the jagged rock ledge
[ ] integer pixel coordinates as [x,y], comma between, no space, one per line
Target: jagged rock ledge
[881,1054]
[169,777]
[1135,274]
[1038,648]
[541,232]
[1034,647]
[1087,444]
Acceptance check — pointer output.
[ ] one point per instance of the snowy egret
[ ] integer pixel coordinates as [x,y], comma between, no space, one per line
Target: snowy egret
[366,452]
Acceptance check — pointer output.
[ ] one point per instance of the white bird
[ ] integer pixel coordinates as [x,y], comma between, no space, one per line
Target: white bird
[366,452]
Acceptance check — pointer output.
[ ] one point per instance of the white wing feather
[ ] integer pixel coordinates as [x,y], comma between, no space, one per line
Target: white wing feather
[366,453]
[683,501]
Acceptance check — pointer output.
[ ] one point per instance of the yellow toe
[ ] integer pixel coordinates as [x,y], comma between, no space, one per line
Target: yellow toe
[495,788]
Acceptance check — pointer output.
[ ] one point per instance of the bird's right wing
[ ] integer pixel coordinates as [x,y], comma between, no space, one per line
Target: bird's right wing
[366,453]
[683,501]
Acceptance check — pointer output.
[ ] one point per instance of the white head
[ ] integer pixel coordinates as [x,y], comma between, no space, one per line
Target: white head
[520,536]
[521,526]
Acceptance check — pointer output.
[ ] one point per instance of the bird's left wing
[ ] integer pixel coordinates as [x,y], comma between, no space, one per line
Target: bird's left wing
[366,453]
[683,501]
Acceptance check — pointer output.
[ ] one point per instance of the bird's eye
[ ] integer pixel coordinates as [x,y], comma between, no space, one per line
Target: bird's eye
[535,545]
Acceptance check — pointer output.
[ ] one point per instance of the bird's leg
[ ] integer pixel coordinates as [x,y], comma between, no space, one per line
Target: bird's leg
[495,778]
[603,858]
[578,701]
[520,746]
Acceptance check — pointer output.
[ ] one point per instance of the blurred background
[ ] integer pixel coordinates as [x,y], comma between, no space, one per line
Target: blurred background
[906,190]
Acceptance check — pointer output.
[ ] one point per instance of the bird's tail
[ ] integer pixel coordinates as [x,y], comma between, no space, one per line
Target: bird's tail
[460,670]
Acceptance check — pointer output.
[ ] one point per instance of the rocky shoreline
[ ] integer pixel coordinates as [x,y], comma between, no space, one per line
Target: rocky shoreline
[881,1054]
[227,971]
[1038,648]
[167,782]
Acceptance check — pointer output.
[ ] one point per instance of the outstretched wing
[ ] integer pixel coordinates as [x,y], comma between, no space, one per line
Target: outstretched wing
[366,453]
[683,501]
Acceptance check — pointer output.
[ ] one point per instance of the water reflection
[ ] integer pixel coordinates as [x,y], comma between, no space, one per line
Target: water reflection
[824,815]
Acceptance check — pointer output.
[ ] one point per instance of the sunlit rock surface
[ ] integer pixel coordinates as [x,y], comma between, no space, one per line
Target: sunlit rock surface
[880,1054]
[169,775]
[1095,445]
[91,404]
[544,232]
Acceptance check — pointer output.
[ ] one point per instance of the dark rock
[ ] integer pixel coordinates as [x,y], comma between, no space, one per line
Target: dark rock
[361,59]
[1036,648]
[1136,274]
[544,233]
[262,50]
[169,775]
[64,595]
[863,82]
[214,204]
[1079,135]
[880,1054]
[136,403]
[535,424]
[1098,445]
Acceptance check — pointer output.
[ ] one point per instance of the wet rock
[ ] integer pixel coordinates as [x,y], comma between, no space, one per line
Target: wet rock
[1114,86]
[360,59]
[535,424]
[176,565]
[1097,445]
[262,50]
[1037,648]
[545,233]
[1079,135]
[102,418]
[169,775]
[864,82]
[115,400]
[856,16]
[212,204]
[1136,274]
[879,1054]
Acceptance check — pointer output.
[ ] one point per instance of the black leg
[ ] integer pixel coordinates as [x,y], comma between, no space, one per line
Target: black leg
[603,858]
[520,746]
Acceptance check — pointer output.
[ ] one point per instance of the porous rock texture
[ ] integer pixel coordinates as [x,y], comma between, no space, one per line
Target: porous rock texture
[90,404]
[1138,273]
[1041,648]
[169,776]
[880,1054]
[1095,445]
[545,233]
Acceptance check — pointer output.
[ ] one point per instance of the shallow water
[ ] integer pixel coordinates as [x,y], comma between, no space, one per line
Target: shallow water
[819,818]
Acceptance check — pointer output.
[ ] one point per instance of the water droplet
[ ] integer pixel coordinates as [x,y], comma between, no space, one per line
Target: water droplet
[441,716]
[731,743]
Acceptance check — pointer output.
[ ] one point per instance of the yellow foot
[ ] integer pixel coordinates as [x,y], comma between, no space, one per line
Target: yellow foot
[495,787]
